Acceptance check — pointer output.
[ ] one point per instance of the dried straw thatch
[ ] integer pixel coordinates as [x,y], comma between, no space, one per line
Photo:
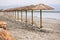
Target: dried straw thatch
[37,7]
[31,7]
[19,8]
[42,7]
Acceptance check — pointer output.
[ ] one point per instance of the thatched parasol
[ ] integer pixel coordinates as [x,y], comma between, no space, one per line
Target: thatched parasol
[25,8]
[41,7]
[38,7]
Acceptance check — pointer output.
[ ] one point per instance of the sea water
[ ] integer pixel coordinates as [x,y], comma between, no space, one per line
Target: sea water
[44,14]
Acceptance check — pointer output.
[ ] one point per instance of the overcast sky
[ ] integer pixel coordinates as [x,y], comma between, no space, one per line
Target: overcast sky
[11,3]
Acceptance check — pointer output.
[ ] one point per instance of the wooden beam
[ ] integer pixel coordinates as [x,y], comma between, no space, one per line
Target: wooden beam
[4,13]
[18,15]
[21,15]
[32,17]
[40,18]
[7,13]
[26,16]
[15,15]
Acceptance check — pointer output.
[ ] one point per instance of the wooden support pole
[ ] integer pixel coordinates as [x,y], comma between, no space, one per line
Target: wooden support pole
[21,15]
[18,15]
[4,13]
[8,13]
[26,16]
[32,17]
[40,18]
[15,15]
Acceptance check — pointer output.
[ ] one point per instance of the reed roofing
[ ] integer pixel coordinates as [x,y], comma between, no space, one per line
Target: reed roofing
[32,7]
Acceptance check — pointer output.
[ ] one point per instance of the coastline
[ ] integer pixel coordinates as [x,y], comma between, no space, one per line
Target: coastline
[21,31]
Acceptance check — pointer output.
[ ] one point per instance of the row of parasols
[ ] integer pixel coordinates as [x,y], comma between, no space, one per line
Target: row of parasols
[39,7]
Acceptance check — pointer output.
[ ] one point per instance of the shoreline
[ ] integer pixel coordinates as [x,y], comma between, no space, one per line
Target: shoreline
[21,31]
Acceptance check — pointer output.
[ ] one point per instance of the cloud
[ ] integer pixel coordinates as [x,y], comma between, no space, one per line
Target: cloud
[12,3]
[26,2]
[56,2]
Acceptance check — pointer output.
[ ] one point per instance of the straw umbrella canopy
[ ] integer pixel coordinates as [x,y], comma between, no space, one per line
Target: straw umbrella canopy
[25,8]
[10,9]
[38,7]
[41,7]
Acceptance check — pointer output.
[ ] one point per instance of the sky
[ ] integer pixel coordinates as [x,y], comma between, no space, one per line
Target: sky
[16,3]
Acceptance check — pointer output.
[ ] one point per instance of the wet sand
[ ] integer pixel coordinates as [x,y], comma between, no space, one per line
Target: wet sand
[21,31]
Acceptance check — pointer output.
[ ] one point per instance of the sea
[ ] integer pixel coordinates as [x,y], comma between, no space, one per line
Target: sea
[45,14]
